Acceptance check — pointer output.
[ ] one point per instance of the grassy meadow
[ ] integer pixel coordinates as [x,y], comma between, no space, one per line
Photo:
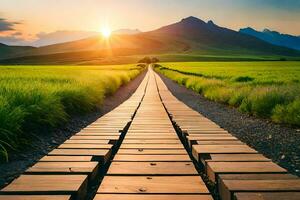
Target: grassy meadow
[36,98]
[264,89]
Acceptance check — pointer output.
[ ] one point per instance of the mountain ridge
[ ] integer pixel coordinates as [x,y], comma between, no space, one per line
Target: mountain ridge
[190,35]
[274,37]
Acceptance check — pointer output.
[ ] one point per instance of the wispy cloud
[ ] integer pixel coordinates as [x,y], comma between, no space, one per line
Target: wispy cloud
[6,25]
[10,34]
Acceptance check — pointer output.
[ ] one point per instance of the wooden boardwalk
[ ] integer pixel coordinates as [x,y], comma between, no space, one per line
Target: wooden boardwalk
[146,143]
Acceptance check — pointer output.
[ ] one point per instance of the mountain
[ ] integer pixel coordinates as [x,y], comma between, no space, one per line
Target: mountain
[190,36]
[13,51]
[274,37]
[209,37]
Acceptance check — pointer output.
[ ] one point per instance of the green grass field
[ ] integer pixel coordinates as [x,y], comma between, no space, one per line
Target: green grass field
[36,98]
[265,89]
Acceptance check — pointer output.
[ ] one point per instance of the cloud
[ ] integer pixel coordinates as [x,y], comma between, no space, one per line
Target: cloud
[6,25]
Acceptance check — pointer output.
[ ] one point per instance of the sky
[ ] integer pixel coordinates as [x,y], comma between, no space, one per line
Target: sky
[23,21]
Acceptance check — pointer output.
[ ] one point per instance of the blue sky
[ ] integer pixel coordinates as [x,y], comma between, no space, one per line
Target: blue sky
[27,18]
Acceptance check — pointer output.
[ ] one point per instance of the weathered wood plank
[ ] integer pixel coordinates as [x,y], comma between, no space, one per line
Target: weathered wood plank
[151,197]
[115,138]
[74,185]
[142,151]
[99,154]
[152,146]
[229,187]
[220,142]
[66,159]
[213,169]
[267,196]
[86,142]
[153,141]
[85,146]
[203,150]
[35,197]
[152,168]
[153,184]
[150,158]
[234,158]
[64,168]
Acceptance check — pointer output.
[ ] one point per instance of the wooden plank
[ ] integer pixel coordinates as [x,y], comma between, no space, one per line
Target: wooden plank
[150,131]
[152,136]
[85,146]
[199,151]
[209,138]
[152,168]
[99,154]
[222,142]
[156,134]
[229,187]
[257,176]
[74,185]
[66,159]
[95,138]
[234,158]
[159,141]
[213,169]
[153,184]
[150,158]
[97,134]
[204,132]
[86,142]
[210,135]
[64,168]
[141,151]
[35,197]
[152,146]
[151,197]
[267,196]
[193,140]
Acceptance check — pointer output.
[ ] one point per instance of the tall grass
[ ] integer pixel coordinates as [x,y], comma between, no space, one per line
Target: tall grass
[265,89]
[36,98]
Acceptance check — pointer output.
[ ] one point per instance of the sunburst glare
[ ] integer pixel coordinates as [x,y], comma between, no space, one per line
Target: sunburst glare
[106,32]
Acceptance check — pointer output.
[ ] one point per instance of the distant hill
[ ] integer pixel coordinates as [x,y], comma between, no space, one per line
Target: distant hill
[127,31]
[57,37]
[189,36]
[61,36]
[13,51]
[274,37]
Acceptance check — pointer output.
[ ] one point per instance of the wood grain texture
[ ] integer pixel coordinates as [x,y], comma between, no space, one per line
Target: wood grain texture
[153,184]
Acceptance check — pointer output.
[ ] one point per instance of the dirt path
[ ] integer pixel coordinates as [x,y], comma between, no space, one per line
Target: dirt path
[279,143]
[43,144]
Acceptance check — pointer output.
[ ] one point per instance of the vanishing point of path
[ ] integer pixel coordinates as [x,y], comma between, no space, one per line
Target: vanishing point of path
[153,147]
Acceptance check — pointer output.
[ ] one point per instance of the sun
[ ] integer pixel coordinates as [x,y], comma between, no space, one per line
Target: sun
[106,32]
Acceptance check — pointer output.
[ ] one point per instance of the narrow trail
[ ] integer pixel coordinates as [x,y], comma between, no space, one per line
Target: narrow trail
[153,147]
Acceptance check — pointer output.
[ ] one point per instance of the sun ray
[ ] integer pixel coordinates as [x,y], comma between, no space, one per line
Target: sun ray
[106,32]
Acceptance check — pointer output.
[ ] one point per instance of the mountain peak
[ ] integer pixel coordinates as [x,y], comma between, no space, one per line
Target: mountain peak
[192,19]
[270,31]
[247,29]
[211,23]
[274,37]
